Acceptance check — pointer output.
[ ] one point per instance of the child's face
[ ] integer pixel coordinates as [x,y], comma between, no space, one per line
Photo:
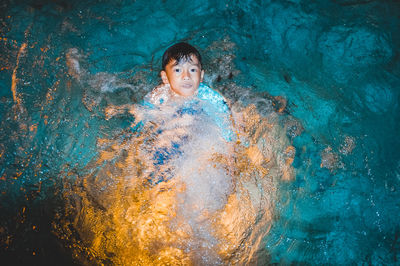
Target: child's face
[184,77]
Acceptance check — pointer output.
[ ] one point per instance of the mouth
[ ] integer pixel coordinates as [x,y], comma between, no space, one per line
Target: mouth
[187,85]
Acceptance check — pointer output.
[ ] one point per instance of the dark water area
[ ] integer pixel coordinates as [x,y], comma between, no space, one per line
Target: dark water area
[314,89]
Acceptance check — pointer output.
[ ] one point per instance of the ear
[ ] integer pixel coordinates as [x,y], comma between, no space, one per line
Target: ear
[164,77]
[201,75]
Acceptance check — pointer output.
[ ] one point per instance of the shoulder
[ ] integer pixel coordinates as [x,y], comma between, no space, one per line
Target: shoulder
[205,91]
[158,95]
[213,96]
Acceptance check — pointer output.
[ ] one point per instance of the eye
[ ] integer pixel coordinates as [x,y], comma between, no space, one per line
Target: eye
[177,70]
[193,70]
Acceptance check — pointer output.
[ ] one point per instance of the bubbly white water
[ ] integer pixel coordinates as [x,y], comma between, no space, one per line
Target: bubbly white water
[172,189]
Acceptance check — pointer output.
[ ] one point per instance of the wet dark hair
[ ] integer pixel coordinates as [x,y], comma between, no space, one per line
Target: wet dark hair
[180,52]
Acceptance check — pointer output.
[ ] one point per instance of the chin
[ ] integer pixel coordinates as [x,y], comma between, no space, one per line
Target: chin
[187,92]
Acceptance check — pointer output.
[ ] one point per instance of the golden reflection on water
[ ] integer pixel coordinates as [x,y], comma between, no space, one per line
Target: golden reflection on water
[114,215]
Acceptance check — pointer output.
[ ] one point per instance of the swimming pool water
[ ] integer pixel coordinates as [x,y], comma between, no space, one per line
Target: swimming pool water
[325,76]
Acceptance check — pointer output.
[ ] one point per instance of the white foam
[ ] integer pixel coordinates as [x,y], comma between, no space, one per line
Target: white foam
[207,184]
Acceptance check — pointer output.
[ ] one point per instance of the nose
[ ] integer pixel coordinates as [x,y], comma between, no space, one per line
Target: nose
[186,75]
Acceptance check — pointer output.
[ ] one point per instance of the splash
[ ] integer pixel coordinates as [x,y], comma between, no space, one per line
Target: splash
[171,190]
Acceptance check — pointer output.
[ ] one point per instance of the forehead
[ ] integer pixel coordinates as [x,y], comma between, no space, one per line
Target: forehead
[192,61]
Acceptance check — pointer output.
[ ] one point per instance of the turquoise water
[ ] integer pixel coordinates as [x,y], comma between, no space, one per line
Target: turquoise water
[335,62]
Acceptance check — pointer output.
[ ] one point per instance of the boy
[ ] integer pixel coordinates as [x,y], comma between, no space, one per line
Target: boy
[182,69]
[184,115]
[182,75]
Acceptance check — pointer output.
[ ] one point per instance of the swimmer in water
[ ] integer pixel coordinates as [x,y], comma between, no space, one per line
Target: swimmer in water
[181,110]
[179,105]
[182,76]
